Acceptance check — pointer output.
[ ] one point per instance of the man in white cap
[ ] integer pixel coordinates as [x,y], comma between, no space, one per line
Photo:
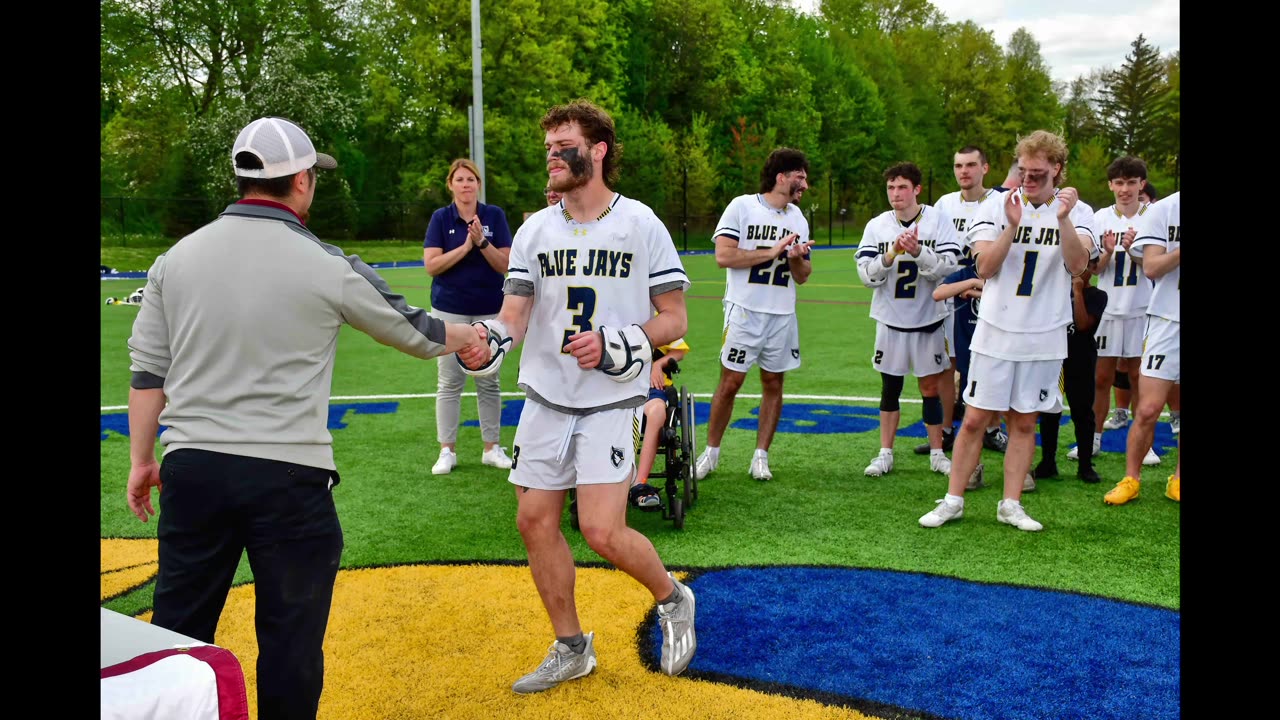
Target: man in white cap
[233,351]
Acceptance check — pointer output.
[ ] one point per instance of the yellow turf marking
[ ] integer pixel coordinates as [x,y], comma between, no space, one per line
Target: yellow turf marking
[127,564]
[447,641]
[118,554]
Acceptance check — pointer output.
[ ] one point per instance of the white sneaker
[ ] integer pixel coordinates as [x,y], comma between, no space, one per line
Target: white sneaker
[940,464]
[1152,458]
[495,457]
[1029,483]
[679,637]
[1074,452]
[1175,424]
[1118,418]
[944,512]
[705,465]
[880,465]
[1011,512]
[760,468]
[448,460]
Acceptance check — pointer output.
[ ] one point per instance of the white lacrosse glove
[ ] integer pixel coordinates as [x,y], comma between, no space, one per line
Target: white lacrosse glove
[499,344]
[624,352]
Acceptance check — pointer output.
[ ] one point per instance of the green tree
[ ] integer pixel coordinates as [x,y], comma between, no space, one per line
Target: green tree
[851,111]
[1087,172]
[978,107]
[1167,143]
[699,168]
[749,148]
[1133,101]
[649,169]
[1030,86]
[1082,119]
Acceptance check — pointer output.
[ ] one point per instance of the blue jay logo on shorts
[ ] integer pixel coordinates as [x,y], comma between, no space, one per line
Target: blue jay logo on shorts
[795,353]
[1044,393]
[937,358]
[615,456]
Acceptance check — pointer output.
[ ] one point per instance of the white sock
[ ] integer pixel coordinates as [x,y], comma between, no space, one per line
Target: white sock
[1097,438]
[762,454]
[886,451]
[937,451]
[954,499]
[713,452]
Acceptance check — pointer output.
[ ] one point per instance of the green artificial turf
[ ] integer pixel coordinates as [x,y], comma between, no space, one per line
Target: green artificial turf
[819,509]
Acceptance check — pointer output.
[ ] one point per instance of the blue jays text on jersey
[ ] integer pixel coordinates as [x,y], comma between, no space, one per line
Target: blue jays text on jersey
[599,262]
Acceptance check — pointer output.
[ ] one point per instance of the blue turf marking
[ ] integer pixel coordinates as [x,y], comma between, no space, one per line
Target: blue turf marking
[797,417]
[118,422]
[938,645]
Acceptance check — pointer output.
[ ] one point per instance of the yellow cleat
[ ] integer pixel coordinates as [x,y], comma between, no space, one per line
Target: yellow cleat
[1173,490]
[1124,491]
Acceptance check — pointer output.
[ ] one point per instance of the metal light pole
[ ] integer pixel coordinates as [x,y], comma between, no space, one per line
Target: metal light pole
[477,91]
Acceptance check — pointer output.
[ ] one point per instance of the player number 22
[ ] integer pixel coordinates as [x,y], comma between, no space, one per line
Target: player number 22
[759,274]
[582,300]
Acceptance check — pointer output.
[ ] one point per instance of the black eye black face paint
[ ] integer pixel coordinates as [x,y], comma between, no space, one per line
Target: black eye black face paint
[572,156]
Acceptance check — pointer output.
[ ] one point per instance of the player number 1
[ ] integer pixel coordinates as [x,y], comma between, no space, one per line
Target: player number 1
[1028,272]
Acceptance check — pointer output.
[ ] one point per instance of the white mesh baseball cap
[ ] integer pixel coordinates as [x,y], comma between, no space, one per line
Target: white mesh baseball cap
[282,146]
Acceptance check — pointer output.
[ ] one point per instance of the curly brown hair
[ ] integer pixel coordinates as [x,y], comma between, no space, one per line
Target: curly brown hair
[597,127]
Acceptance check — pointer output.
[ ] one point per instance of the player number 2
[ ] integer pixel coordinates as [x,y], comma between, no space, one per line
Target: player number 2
[909,272]
[583,300]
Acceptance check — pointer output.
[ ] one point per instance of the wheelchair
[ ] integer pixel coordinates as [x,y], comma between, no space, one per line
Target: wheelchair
[674,462]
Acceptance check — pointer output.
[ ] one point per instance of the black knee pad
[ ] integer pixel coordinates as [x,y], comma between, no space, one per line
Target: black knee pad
[1121,381]
[890,391]
[932,411]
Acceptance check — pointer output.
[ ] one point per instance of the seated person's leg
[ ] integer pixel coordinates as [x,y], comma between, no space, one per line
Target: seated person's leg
[655,416]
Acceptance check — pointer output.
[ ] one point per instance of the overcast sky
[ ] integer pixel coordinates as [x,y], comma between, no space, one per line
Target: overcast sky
[1075,36]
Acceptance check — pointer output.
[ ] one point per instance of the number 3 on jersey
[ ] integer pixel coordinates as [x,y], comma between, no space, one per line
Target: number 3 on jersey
[582,302]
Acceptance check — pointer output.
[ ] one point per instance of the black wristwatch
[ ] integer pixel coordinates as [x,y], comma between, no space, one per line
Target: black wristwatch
[484,243]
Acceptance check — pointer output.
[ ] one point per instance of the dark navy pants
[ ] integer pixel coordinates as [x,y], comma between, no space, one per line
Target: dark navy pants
[215,507]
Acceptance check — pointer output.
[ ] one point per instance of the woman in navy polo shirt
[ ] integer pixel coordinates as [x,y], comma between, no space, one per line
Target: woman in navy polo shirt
[465,253]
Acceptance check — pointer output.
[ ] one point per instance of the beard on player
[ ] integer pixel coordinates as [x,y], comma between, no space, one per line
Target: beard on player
[580,171]
[795,191]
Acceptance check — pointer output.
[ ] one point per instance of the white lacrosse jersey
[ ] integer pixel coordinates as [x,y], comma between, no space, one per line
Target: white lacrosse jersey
[1031,292]
[905,300]
[1128,290]
[765,287]
[1162,225]
[585,275]
[964,214]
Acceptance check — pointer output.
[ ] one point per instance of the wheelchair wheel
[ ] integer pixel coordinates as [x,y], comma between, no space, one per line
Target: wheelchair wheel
[677,514]
[688,433]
